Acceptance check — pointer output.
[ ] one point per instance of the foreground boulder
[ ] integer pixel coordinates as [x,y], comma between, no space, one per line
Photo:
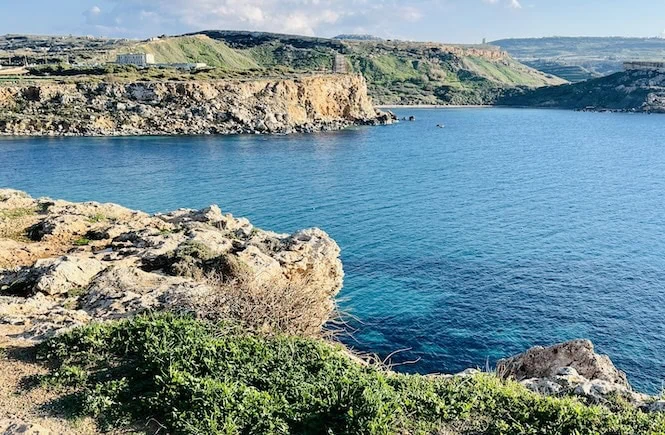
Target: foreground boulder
[65,264]
[546,362]
[572,368]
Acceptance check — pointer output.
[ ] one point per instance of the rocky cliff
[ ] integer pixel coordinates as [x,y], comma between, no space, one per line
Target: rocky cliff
[629,91]
[281,106]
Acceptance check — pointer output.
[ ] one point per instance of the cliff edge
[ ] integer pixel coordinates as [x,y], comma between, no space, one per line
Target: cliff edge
[64,264]
[279,106]
[195,321]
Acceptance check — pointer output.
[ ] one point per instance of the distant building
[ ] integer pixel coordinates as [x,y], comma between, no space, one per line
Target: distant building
[644,66]
[339,64]
[138,59]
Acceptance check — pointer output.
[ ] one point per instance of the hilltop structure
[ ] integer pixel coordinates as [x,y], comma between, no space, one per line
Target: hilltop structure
[141,60]
[144,60]
[339,64]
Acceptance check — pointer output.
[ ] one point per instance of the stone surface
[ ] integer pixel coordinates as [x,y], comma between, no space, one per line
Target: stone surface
[279,106]
[572,368]
[546,362]
[87,261]
[20,427]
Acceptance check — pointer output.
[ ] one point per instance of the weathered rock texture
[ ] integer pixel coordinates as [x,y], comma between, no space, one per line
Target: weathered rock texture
[629,91]
[544,362]
[69,263]
[305,104]
[573,368]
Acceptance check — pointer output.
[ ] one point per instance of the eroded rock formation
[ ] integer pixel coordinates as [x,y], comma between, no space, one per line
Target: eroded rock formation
[573,368]
[69,263]
[279,106]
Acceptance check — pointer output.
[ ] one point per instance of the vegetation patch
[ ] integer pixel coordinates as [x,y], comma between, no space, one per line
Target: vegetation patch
[212,378]
[82,241]
[97,217]
[14,222]
[17,213]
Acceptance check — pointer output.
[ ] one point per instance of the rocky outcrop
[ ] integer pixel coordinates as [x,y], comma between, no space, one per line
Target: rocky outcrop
[22,427]
[279,106]
[75,262]
[573,368]
[545,362]
[628,91]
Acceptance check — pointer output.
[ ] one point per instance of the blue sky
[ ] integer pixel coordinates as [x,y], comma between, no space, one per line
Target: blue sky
[436,20]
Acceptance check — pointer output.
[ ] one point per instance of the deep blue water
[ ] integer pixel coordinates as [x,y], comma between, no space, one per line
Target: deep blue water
[507,229]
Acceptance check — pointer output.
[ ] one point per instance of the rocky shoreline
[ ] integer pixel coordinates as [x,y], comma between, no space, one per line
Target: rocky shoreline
[65,264]
[622,92]
[265,106]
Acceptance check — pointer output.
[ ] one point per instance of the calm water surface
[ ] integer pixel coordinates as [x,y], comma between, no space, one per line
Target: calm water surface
[506,229]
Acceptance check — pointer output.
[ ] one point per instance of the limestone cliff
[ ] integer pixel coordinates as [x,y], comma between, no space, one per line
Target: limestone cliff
[278,106]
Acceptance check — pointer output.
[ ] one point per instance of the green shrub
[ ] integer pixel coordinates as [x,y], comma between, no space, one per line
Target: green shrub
[203,378]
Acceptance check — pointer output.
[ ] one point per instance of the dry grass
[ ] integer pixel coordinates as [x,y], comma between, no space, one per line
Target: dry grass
[19,401]
[14,222]
[269,306]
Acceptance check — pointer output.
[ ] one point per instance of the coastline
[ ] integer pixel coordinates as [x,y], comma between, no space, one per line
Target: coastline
[157,108]
[126,283]
[433,106]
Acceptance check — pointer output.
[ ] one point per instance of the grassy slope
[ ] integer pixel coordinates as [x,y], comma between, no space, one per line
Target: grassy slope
[397,72]
[192,49]
[412,73]
[199,378]
[572,73]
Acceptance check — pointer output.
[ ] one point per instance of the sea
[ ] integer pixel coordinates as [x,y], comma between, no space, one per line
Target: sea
[467,235]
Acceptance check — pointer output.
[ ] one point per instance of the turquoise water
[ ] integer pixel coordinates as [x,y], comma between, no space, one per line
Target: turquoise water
[506,229]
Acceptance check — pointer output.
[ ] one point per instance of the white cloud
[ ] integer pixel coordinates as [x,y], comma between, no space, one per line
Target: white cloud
[513,4]
[92,13]
[308,17]
[385,18]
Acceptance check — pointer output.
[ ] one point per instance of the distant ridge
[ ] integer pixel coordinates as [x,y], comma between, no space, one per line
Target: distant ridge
[582,57]
[356,37]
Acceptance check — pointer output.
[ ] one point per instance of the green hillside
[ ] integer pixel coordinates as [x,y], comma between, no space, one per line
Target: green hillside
[199,48]
[572,73]
[397,72]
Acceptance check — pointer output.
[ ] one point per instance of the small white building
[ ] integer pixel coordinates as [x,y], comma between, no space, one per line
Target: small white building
[138,59]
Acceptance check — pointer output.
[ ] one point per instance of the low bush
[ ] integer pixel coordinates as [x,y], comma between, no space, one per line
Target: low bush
[266,305]
[202,378]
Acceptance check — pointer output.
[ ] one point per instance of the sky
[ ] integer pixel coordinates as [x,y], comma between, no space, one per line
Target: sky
[461,21]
